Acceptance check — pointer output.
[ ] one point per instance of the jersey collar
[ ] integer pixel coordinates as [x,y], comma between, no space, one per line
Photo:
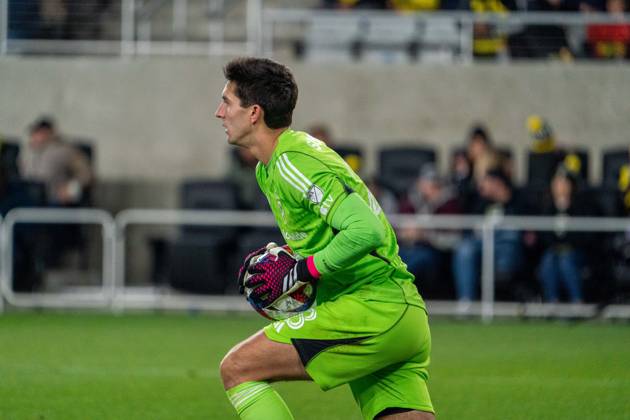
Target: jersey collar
[280,147]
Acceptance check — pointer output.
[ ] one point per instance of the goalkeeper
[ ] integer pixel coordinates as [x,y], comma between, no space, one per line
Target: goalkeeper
[369,328]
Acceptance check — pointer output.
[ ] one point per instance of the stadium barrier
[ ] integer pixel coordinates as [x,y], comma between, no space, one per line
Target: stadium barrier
[428,36]
[117,295]
[98,297]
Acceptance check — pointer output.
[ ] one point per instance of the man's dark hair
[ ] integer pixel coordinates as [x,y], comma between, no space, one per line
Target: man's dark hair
[266,83]
[42,123]
[480,131]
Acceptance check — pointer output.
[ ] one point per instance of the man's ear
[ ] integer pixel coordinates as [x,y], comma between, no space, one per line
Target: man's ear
[256,114]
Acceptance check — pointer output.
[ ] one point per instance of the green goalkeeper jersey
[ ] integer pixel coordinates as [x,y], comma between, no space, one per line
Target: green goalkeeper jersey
[305,182]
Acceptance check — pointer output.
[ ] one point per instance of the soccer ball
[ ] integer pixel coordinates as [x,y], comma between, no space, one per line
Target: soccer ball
[286,305]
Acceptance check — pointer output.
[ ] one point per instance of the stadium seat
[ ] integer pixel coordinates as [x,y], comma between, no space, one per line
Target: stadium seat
[31,241]
[9,152]
[541,167]
[439,40]
[331,39]
[398,167]
[390,39]
[613,160]
[199,257]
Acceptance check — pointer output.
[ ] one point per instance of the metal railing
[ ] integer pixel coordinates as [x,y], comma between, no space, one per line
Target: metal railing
[262,30]
[413,33]
[116,294]
[130,33]
[100,297]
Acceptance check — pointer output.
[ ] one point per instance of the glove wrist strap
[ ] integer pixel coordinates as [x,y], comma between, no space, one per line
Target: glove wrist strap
[306,270]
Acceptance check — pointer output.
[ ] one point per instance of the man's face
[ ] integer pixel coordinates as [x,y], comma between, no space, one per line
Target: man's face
[476,148]
[39,137]
[429,189]
[236,119]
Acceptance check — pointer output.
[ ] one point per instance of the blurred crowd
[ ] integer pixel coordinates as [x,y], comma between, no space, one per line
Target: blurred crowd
[83,20]
[550,266]
[50,171]
[601,41]
[567,264]
[55,19]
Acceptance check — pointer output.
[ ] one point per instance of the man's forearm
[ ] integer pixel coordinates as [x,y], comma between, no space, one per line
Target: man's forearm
[360,232]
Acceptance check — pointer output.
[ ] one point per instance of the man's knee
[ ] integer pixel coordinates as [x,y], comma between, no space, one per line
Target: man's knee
[231,368]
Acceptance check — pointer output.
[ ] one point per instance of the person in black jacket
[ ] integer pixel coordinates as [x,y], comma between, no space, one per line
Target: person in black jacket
[563,259]
[496,197]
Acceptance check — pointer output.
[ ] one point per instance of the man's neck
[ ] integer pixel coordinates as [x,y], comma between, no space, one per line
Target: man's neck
[265,144]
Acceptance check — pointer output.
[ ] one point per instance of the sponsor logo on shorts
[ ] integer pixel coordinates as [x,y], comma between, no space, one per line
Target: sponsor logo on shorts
[297,321]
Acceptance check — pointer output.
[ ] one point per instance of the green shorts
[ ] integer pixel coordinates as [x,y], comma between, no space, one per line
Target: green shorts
[380,349]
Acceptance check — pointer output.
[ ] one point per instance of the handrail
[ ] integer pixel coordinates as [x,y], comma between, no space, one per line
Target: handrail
[55,216]
[114,293]
[259,22]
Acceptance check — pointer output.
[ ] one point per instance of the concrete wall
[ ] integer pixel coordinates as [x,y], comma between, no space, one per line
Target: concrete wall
[152,119]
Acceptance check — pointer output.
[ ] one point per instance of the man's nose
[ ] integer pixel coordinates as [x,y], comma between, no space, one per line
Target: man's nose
[219,112]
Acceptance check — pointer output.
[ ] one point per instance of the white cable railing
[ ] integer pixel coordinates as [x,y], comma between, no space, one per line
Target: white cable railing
[116,294]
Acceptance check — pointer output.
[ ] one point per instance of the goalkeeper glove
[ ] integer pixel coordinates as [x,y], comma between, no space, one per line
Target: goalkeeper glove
[247,262]
[279,274]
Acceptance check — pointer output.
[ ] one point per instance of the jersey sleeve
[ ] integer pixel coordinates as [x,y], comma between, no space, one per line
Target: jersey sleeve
[307,182]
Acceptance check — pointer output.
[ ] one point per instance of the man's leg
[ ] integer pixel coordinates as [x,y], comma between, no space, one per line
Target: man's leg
[247,369]
[548,274]
[466,268]
[569,266]
[407,415]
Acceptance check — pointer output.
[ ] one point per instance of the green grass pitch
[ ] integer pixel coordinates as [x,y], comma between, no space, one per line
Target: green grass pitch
[165,366]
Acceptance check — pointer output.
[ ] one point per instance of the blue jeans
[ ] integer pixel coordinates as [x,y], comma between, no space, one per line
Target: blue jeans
[508,257]
[420,258]
[561,267]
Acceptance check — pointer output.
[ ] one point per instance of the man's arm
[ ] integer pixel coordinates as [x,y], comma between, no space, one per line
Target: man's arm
[360,232]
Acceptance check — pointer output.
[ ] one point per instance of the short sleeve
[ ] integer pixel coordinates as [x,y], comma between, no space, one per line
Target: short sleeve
[308,182]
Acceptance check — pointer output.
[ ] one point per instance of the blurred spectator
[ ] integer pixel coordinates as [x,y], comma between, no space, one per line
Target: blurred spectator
[498,198]
[63,168]
[543,140]
[468,170]
[544,155]
[483,155]
[620,255]
[352,155]
[322,132]
[53,14]
[543,41]
[413,5]
[242,173]
[461,177]
[488,40]
[423,249]
[563,258]
[610,41]
[354,4]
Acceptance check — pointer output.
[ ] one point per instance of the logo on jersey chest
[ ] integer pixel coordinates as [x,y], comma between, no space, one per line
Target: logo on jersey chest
[315,194]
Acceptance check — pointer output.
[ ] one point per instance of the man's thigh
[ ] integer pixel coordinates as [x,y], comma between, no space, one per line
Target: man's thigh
[402,384]
[346,339]
[261,359]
